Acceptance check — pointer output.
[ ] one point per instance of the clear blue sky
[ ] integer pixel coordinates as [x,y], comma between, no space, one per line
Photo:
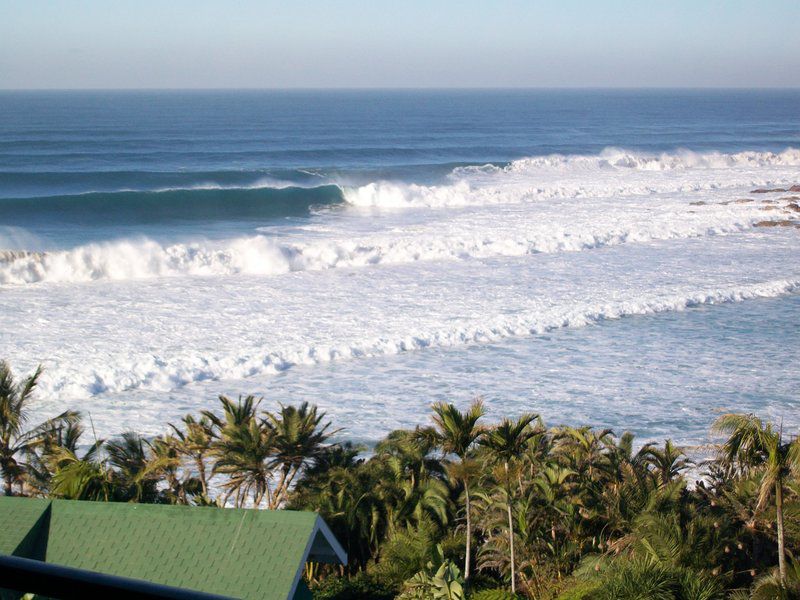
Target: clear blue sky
[398,43]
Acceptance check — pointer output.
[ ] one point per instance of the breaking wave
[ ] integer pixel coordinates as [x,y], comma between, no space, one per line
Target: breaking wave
[262,255]
[616,206]
[157,372]
[265,200]
[612,173]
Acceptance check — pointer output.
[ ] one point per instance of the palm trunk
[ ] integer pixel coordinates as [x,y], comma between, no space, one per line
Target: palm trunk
[282,493]
[7,485]
[511,535]
[286,485]
[779,510]
[201,470]
[511,545]
[258,498]
[469,532]
[276,495]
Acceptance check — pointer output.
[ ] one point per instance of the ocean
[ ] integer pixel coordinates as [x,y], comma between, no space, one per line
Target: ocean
[599,257]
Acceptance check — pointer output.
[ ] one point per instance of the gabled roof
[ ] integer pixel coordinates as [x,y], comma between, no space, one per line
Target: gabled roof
[232,552]
[23,526]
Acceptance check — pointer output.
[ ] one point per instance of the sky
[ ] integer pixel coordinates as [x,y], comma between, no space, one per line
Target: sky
[398,43]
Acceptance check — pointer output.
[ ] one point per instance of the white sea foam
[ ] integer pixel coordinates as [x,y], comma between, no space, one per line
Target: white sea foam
[507,252]
[612,173]
[262,255]
[168,372]
[616,158]
[521,209]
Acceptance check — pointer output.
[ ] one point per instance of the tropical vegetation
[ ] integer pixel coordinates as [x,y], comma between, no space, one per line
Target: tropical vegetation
[458,507]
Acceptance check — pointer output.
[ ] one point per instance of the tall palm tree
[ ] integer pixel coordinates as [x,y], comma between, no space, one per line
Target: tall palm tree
[298,438]
[16,443]
[243,447]
[505,442]
[456,433]
[754,444]
[194,442]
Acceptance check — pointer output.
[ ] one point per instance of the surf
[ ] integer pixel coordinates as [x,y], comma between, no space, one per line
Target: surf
[147,371]
[203,202]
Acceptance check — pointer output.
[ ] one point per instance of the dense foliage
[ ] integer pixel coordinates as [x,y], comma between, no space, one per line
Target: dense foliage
[458,508]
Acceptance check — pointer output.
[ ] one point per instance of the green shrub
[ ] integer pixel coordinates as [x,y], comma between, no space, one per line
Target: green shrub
[405,554]
[440,580]
[640,580]
[580,590]
[637,581]
[696,586]
[494,594]
[358,587]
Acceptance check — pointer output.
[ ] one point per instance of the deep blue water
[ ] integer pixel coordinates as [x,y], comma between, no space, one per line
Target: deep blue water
[74,142]
[65,156]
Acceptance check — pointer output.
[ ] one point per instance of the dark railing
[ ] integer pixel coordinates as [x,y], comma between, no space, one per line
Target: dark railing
[67,583]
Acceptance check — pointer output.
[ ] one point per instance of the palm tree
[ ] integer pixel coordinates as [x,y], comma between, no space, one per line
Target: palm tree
[456,433]
[194,442]
[243,447]
[755,444]
[17,444]
[409,482]
[165,455]
[668,464]
[43,463]
[771,586]
[138,467]
[298,437]
[586,450]
[77,477]
[505,442]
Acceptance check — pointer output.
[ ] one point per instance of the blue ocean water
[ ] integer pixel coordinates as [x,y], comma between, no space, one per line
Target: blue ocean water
[595,255]
[181,146]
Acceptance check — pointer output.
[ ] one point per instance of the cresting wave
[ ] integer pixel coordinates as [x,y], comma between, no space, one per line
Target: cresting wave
[261,255]
[165,373]
[38,183]
[266,200]
[570,203]
[612,173]
[616,158]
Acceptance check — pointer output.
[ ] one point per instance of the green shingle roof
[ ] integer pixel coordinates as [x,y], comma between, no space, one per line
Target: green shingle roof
[23,526]
[233,552]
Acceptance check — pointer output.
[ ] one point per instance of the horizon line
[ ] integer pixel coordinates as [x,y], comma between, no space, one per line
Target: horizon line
[399,88]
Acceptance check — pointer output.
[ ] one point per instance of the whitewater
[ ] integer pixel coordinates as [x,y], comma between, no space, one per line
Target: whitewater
[618,286]
[529,206]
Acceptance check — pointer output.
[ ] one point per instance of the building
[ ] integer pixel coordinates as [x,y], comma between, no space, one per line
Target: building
[174,551]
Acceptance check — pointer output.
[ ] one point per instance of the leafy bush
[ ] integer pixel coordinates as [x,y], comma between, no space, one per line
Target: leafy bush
[494,594]
[641,580]
[405,554]
[440,580]
[358,587]
[580,590]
